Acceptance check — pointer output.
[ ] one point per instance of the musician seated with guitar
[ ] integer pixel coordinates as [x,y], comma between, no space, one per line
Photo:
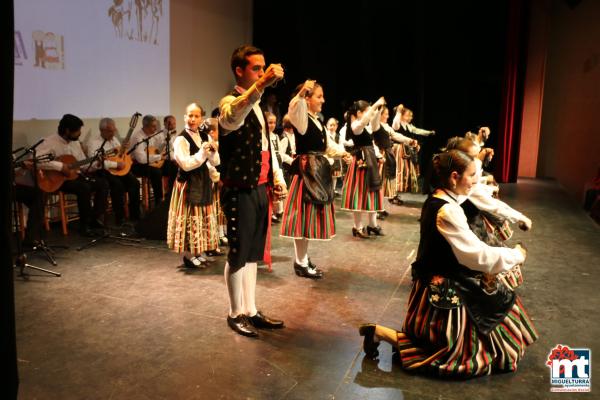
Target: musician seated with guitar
[148,154]
[116,170]
[67,173]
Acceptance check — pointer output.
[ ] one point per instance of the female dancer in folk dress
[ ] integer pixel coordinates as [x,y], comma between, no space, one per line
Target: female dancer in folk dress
[385,138]
[308,213]
[461,321]
[362,192]
[192,226]
[407,158]
[487,216]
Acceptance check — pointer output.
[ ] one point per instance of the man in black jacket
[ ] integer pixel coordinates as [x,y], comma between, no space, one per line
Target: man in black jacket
[248,172]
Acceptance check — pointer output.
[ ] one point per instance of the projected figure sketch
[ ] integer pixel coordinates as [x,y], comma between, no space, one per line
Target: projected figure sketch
[116,12]
[137,20]
[48,50]
[156,14]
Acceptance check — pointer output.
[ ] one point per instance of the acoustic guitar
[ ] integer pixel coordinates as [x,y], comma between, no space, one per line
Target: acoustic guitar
[156,164]
[122,156]
[50,181]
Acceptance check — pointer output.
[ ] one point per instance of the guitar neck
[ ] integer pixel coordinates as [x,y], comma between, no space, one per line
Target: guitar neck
[127,137]
[88,160]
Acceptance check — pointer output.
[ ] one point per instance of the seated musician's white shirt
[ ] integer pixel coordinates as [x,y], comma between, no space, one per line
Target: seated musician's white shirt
[139,154]
[57,146]
[110,145]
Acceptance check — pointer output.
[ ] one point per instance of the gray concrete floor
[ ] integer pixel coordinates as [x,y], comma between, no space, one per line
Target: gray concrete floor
[127,322]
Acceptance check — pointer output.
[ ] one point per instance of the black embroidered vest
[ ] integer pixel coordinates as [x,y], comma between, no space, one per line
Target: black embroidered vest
[313,140]
[362,140]
[382,138]
[199,188]
[240,153]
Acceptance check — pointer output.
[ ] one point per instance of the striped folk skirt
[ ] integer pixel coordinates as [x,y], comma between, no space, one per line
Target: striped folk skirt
[446,343]
[355,193]
[407,172]
[191,228]
[306,220]
[388,186]
[220,215]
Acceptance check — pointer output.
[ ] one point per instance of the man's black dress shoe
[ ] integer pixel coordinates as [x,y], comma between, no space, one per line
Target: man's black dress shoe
[241,325]
[262,321]
[376,230]
[369,343]
[311,271]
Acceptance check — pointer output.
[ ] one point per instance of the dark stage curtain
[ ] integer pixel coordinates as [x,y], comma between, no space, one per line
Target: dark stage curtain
[9,382]
[509,127]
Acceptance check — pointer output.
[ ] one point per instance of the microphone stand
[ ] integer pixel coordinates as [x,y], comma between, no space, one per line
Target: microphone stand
[21,260]
[99,157]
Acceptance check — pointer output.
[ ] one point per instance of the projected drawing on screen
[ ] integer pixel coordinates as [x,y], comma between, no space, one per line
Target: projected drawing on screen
[91,58]
[48,48]
[137,20]
[20,51]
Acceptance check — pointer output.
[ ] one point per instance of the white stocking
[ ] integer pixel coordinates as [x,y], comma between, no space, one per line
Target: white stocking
[249,288]
[301,248]
[372,219]
[233,280]
[357,219]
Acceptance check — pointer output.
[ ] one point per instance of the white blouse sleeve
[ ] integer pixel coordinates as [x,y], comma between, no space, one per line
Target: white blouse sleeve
[396,121]
[376,121]
[298,113]
[397,136]
[480,196]
[419,131]
[181,151]
[360,124]
[468,249]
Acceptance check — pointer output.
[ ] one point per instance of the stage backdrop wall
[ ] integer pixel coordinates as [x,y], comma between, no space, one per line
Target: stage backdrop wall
[570,132]
[202,36]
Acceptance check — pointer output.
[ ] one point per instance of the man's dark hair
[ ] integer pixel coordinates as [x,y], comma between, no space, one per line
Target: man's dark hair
[239,56]
[70,122]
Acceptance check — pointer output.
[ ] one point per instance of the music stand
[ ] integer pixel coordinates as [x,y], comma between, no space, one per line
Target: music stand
[21,259]
[99,157]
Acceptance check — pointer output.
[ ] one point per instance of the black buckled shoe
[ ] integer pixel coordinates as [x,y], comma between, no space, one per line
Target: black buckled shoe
[242,326]
[375,230]
[262,321]
[360,233]
[369,344]
[215,252]
[194,262]
[311,272]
